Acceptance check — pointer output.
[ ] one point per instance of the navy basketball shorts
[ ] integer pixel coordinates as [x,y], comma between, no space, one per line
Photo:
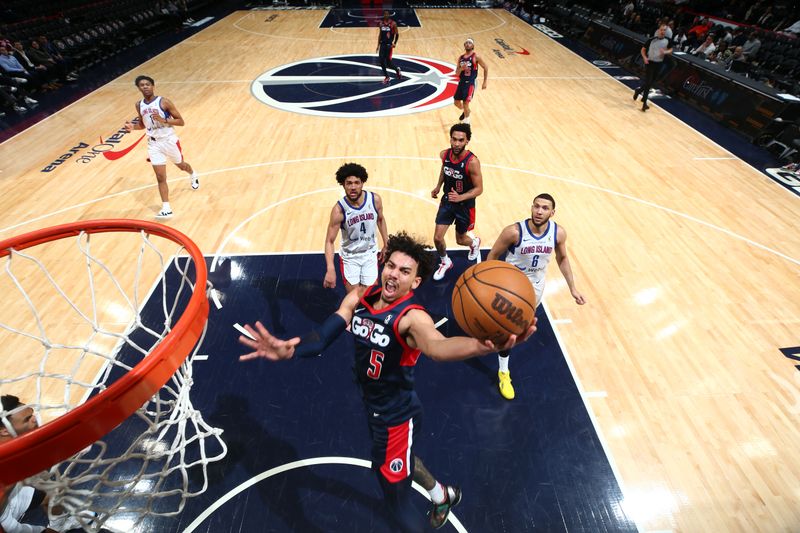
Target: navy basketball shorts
[385,52]
[464,217]
[465,91]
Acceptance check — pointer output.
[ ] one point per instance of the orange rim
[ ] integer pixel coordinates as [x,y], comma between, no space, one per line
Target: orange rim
[63,437]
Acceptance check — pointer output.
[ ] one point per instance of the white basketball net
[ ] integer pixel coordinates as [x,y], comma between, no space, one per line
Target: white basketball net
[67,335]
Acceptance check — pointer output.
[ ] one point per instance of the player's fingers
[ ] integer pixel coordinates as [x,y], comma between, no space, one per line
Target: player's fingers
[250,343]
[291,343]
[262,331]
[249,356]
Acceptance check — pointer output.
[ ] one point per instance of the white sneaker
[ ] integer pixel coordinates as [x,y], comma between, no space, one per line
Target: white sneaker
[29,100]
[20,109]
[474,249]
[164,214]
[195,181]
[445,265]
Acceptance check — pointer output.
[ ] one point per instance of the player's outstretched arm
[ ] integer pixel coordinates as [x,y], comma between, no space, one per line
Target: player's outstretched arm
[420,332]
[337,216]
[384,232]
[267,346]
[564,265]
[508,238]
[485,70]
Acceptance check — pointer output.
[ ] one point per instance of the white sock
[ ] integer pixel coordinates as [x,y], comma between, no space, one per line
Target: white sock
[437,493]
[165,207]
[443,258]
[466,120]
[474,241]
[502,363]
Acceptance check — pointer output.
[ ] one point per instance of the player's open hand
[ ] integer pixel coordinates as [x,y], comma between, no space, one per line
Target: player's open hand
[266,345]
[453,197]
[512,340]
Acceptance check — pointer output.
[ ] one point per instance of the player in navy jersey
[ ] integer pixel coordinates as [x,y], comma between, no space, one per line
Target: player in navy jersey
[467,73]
[529,245]
[387,40]
[391,330]
[463,181]
[357,216]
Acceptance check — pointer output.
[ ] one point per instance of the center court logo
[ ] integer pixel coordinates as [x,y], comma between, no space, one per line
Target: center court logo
[352,86]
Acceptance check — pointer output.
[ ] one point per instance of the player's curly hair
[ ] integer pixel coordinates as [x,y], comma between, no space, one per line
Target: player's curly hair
[351,169]
[416,250]
[140,78]
[462,127]
[10,402]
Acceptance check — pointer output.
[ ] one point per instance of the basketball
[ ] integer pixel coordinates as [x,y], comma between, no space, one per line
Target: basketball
[492,300]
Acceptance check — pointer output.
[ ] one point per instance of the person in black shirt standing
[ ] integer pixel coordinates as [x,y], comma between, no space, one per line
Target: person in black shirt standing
[387,40]
[653,52]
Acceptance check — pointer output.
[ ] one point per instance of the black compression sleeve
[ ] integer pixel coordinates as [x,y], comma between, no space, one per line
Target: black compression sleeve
[316,340]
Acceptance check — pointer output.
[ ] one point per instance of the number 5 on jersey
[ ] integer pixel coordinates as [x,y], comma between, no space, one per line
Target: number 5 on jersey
[375,364]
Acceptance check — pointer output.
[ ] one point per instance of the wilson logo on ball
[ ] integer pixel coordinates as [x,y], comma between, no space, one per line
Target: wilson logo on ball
[514,314]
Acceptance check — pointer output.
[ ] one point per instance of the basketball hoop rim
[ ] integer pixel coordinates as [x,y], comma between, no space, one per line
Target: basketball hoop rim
[61,438]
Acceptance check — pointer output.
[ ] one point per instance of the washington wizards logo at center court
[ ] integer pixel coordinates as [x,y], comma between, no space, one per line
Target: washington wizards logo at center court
[352,86]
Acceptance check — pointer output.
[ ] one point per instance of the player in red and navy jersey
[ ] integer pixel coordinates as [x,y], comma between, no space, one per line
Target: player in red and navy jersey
[463,181]
[467,73]
[387,40]
[391,330]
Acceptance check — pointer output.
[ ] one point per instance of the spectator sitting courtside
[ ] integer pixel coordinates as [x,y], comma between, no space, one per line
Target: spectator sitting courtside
[751,46]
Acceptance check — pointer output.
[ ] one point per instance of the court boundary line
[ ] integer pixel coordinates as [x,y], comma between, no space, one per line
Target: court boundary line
[586,405]
[692,128]
[111,82]
[503,22]
[571,181]
[302,463]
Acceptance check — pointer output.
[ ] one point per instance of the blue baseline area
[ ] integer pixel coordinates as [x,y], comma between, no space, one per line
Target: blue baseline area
[534,464]
[357,17]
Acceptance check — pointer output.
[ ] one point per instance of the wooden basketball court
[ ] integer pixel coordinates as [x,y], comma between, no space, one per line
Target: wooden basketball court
[688,257]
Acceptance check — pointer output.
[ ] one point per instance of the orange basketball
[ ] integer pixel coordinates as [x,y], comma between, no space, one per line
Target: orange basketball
[492,300]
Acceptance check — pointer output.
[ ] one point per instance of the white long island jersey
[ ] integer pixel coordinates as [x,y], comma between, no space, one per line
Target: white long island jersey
[155,130]
[359,226]
[531,254]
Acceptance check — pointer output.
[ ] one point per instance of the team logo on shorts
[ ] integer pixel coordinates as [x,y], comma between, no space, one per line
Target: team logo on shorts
[352,86]
[396,465]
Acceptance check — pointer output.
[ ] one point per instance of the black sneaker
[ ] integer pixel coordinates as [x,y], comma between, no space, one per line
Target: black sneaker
[636,93]
[461,117]
[645,107]
[441,511]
